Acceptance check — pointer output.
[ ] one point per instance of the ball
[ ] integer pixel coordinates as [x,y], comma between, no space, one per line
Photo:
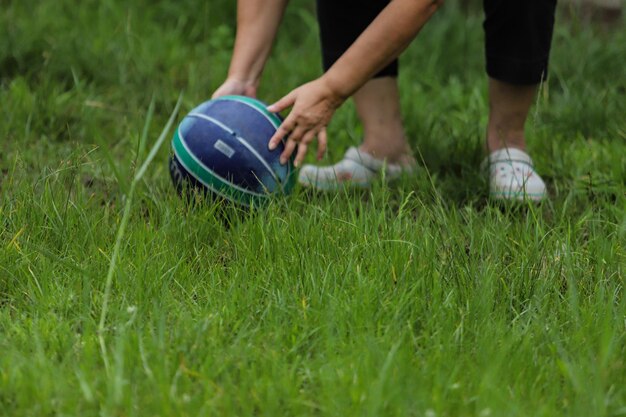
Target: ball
[221,148]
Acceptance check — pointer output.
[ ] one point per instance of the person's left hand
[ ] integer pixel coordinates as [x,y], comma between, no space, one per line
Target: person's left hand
[313,104]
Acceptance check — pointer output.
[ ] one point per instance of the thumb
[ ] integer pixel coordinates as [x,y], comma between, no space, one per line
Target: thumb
[283,103]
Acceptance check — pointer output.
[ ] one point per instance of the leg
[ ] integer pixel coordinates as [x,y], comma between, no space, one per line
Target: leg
[342,22]
[378,103]
[509,105]
[518,34]
[378,106]
[384,144]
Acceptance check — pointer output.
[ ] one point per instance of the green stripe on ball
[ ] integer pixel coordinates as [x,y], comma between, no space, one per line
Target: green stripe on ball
[212,181]
[257,105]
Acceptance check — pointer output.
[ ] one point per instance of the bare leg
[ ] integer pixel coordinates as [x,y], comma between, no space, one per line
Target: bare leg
[508,109]
[378,106]
[512,175]
[384,144]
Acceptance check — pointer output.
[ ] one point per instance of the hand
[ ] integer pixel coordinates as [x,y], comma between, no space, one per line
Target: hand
[313,104]
[238,87]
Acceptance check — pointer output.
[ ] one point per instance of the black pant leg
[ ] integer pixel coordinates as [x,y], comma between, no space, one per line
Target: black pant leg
[518,34]
[341,22]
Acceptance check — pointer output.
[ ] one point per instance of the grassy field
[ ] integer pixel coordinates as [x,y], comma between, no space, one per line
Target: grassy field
[418,299]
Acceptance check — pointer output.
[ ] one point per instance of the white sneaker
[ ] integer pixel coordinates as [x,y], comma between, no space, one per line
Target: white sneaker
[512,176]
[357,169]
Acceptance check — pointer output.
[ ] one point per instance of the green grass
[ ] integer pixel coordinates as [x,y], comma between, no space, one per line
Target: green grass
[419,299]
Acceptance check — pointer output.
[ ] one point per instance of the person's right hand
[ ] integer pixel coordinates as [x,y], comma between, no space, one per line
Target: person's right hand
[237,87]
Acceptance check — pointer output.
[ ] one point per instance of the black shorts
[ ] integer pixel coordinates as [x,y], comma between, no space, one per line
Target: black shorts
[518,34]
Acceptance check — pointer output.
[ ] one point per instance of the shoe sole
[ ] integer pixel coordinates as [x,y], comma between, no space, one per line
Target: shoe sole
[334,186]
[518,196]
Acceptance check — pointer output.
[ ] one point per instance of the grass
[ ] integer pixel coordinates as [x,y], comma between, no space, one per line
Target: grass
[419,299]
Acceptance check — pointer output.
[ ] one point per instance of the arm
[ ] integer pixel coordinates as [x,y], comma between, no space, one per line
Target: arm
[382,42]
[257,24]
[314,103]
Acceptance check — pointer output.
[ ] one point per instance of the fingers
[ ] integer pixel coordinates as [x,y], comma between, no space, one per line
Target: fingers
[303,146]
[311,112]
[227,88]
[217,93]
[283,103]
[287,125]
[292,141]
[290,146]
[281,133]
[236,87]
[322,142]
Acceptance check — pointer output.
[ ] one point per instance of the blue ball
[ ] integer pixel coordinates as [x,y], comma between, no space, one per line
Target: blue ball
[221,148]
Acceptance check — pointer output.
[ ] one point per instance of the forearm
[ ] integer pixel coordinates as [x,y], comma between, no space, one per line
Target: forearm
[257,24]
[383,41]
